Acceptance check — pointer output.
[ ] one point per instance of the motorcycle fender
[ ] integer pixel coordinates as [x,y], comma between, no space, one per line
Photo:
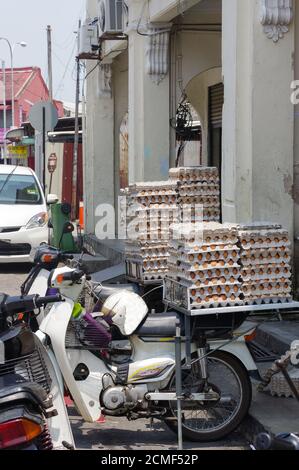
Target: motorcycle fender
[59,426]
[239,350]
[55,326]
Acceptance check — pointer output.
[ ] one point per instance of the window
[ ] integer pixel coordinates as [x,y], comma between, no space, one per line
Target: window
[19,189]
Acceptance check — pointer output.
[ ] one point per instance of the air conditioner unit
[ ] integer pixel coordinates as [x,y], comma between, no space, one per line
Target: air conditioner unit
[110,14]
[89,42]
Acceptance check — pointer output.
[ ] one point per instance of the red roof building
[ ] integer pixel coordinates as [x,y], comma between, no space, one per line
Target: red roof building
[29,88]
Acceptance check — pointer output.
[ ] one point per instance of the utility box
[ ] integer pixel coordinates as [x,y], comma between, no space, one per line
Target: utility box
[60,214]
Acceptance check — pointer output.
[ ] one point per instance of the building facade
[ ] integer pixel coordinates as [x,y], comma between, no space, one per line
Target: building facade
[235,65]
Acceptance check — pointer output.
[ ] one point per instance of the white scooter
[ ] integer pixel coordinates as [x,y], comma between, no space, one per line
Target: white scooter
[216,389]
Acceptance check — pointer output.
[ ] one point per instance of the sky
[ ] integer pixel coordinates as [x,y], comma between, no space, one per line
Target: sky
[27,20]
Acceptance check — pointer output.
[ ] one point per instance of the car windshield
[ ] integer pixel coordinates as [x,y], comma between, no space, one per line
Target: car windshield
[19,189]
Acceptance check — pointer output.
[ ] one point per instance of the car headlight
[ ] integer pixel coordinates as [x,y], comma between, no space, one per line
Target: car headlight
[39,220]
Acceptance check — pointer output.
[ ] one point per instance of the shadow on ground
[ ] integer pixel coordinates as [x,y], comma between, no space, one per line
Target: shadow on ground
[121,434]
[15,268]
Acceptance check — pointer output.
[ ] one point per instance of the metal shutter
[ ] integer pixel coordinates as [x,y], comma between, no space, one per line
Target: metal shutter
[216,100]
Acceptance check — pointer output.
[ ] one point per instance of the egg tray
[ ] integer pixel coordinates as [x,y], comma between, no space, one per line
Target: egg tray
[232,302]
[279,387]
[159,200]
[200,273]
[265,245]
[198,189]
[136,273]
[267,299]
[229,263]
[178,294]
[205,282]
[212,286]
[153,265]
[277,259]
[269,272]
[199,200]
[208,257]
[195,249]
[194,174]
[264,288]
[273,251]
[154,236]
[159,212]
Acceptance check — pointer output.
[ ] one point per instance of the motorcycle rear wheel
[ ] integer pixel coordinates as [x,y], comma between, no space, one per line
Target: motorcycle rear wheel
[208,422]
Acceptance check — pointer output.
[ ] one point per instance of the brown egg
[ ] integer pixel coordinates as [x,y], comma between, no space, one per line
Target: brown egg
[200,256]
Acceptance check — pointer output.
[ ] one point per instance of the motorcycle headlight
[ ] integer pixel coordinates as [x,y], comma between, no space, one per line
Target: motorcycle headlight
[39,220]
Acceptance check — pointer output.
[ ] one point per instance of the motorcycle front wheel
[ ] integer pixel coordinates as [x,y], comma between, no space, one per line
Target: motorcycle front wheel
[212,421]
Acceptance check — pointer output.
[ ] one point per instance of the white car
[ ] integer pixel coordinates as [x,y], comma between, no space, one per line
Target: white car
[23,214]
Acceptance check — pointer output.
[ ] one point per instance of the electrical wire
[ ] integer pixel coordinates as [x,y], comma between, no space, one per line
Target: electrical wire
[66,67]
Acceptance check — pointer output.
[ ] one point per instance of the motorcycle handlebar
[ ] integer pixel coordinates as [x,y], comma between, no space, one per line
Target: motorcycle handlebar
[23,304]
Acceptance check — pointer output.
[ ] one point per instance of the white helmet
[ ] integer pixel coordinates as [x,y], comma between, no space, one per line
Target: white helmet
[126,310]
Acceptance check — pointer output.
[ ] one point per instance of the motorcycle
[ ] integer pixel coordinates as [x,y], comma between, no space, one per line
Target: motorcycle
[216,391]
[26,405]
[284,441]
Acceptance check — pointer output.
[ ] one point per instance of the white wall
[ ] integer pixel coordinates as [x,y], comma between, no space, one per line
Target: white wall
[258,119]
[57,180]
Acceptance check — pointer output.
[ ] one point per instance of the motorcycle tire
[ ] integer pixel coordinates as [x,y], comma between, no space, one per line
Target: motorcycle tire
[221,431]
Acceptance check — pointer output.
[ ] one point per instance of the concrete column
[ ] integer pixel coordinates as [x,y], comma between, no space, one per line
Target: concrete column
[258,133]
[148,110]
[99,147]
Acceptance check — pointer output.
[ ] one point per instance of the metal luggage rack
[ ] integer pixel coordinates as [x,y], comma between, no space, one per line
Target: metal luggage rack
[134,273]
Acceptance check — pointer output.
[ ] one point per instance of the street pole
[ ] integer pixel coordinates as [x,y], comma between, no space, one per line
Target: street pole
[4,108]
[50,73]
[44,149]
[11,50]
[12,87]
[76,140]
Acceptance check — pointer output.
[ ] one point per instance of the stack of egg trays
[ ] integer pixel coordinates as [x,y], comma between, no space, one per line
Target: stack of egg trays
[210,271]
[198,186]
[266,268]
[151,257]
[154,206]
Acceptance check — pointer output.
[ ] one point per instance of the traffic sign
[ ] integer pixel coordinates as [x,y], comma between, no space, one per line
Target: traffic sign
[43,110]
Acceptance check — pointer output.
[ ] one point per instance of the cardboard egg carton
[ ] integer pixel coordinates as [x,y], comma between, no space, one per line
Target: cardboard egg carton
[266,258]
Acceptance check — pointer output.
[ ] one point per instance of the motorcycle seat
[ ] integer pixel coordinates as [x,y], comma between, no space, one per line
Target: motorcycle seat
[161,325]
